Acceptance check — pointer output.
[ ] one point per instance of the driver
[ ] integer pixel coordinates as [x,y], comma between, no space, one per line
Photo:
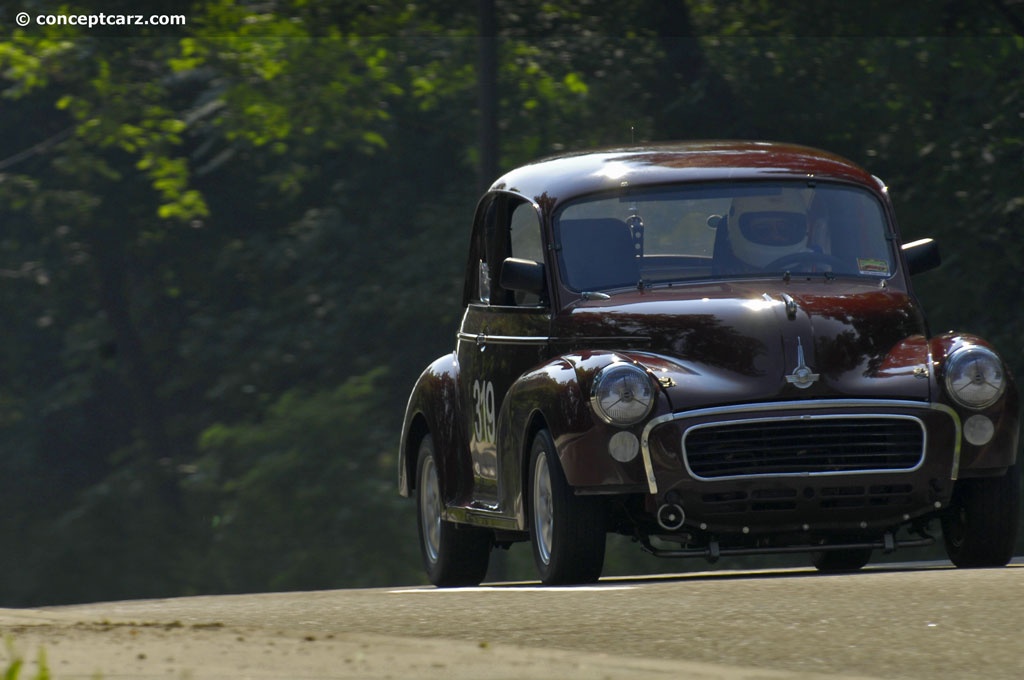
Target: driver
[763,229]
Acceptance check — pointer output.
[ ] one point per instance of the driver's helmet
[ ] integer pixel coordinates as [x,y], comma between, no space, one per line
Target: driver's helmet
[764,228]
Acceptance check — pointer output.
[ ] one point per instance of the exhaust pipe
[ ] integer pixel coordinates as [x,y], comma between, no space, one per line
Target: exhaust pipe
[671,516]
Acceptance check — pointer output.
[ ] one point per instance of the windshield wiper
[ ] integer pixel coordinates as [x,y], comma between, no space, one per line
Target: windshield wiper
[787,276]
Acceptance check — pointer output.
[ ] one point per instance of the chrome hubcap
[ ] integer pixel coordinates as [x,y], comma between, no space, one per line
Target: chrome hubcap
[430,510]
[543,509]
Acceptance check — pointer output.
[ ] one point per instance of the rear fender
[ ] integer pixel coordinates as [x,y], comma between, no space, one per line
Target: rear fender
[434,407]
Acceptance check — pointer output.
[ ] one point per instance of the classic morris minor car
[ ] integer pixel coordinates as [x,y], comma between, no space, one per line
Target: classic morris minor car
[713,348]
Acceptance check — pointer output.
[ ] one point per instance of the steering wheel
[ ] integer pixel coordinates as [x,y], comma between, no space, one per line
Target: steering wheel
[803,258]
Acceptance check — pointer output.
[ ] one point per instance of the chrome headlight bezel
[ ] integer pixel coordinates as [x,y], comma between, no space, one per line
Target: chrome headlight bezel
[975,377]
[623,394]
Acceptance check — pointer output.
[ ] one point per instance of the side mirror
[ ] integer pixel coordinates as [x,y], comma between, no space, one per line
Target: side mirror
[922,255]
[521,275]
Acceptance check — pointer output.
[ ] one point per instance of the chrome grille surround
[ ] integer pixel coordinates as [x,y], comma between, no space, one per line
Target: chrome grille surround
[809,406]
[804,446]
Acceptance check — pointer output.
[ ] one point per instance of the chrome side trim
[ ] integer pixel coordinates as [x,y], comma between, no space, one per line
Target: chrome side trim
[484,339]
[753,409]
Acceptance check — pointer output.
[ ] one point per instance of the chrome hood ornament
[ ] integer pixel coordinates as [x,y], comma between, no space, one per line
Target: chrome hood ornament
[802,376]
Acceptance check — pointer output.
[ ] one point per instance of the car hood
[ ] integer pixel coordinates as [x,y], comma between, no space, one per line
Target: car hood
[753,341]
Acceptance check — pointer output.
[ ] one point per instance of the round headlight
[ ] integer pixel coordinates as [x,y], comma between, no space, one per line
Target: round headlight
[974,377]
[623,394]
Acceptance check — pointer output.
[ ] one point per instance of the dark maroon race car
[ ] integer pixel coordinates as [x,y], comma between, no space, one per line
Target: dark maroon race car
[711,347]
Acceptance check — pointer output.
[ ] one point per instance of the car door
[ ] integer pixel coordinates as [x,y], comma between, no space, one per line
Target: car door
[503,334]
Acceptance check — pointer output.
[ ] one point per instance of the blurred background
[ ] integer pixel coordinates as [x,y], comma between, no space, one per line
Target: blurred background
[228,248]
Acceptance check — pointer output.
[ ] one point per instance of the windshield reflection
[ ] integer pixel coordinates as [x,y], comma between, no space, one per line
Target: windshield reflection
[719,231]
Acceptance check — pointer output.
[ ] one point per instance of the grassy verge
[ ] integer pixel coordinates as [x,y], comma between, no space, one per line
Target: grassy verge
[17,664]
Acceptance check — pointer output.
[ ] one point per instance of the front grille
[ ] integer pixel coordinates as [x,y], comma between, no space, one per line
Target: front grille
[804,445]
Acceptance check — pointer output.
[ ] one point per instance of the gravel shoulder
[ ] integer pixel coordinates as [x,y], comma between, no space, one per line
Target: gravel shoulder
[78,647]
[97,642]
[898,623]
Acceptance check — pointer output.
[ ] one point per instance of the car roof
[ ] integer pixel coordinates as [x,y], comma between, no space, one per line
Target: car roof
[556,179]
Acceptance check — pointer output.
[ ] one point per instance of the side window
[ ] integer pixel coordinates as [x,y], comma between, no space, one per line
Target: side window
[503,229]
[478,284]
[526,243]
[525,233]
[483,282]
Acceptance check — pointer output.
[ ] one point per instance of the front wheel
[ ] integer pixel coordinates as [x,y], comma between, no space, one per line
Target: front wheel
[567,532]
[453,554]
[980,527]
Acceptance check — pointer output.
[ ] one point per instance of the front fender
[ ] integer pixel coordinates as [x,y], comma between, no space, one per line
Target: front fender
[434,407]
[1001,450]
[556,395]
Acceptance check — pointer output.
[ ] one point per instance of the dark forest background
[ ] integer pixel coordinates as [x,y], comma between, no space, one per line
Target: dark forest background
[228,248]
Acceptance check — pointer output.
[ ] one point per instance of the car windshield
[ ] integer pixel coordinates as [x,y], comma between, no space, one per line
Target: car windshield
[714,231]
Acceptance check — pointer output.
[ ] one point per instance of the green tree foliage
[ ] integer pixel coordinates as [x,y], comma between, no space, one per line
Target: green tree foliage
[304,498]
[228,248]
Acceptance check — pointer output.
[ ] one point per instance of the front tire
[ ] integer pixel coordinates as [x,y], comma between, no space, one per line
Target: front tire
[980,527]
[567,532]
[453,554]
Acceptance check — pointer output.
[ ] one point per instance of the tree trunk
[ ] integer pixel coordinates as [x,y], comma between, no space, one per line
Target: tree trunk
[134,368]
[487,93]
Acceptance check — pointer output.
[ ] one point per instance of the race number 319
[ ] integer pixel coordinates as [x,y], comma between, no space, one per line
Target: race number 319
[483,414]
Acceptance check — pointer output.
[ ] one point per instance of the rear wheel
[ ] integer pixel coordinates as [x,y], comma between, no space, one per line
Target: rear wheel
[980,527]
[567,532]
[453,554]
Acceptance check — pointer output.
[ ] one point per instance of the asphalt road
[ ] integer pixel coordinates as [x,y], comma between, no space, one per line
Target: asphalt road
[927,622]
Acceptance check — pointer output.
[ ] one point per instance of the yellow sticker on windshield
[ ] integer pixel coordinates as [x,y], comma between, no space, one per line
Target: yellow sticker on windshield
[872,266]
